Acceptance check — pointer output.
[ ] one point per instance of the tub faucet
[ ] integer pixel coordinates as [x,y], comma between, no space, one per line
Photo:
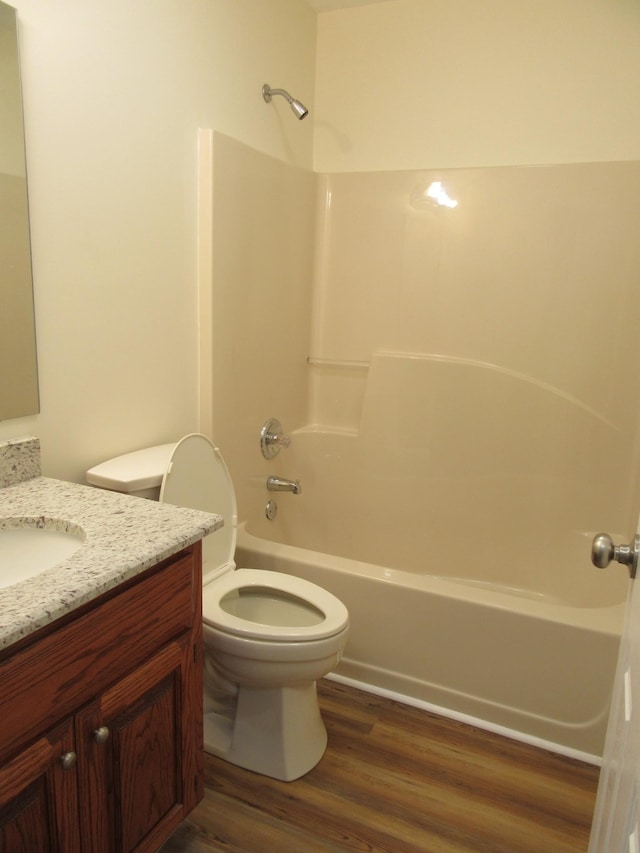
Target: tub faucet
[281,484]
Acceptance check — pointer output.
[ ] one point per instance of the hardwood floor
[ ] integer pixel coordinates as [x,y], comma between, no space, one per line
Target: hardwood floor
[400,780]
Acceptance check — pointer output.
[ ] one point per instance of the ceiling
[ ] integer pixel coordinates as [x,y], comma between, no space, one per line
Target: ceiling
[327,5]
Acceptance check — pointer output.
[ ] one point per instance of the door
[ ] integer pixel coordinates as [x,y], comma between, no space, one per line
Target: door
[132,779]
[615,822]
[38,796]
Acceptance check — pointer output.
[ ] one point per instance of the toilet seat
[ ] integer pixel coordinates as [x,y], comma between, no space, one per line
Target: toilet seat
[333,615]
[197,477]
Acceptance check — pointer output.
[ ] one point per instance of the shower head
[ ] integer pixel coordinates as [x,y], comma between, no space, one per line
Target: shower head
[299,110]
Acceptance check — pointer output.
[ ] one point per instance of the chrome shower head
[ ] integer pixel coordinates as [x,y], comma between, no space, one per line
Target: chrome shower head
[298,109]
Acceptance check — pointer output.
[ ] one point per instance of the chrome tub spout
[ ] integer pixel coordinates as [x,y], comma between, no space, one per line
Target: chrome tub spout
[281,484]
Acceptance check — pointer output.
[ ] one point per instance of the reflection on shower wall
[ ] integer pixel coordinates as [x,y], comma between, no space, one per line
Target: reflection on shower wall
[474,359]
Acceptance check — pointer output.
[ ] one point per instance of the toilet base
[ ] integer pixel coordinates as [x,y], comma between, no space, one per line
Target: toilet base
[276,731]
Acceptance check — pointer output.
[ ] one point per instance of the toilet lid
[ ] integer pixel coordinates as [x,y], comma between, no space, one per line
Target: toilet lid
[197,477]
[333,616]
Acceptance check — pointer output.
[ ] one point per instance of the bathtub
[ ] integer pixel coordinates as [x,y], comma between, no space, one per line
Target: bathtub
[454,515]
[534,669]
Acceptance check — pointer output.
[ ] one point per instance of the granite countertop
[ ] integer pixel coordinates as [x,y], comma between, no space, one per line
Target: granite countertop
[122,536]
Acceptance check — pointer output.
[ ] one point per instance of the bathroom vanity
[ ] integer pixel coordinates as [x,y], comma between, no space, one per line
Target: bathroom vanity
[101,675]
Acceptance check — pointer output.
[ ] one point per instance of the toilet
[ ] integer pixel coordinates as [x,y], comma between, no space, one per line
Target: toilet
[268,636]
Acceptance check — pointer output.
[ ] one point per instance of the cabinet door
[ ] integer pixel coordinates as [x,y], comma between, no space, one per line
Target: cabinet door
[38,797]
[131,764]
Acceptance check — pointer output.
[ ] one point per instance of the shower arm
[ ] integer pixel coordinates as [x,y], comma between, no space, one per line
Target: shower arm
[268,93]
[298,108]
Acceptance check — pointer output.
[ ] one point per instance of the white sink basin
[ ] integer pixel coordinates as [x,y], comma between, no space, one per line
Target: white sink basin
[25,551]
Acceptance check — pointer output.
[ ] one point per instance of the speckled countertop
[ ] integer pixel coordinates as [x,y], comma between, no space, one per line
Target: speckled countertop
[122,536]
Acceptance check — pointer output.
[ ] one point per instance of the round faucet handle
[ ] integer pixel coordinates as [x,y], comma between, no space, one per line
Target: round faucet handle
[272,438]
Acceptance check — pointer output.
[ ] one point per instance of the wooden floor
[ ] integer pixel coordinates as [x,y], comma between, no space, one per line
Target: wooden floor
[400,780]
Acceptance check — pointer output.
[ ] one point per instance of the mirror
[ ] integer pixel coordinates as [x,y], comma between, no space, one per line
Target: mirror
[18,364]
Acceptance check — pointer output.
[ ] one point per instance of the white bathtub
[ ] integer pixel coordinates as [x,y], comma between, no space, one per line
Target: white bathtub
[460,508]
[523,664]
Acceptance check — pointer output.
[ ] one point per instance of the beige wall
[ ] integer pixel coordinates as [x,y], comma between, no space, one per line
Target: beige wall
[412,84]
[115,92]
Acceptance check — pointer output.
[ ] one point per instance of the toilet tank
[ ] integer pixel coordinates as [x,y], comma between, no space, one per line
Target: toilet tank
[138,473]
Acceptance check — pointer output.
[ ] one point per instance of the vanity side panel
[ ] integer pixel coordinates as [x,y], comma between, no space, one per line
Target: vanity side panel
[192,696]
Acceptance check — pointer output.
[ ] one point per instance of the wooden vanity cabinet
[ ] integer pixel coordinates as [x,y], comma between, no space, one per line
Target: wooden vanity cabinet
[101,720]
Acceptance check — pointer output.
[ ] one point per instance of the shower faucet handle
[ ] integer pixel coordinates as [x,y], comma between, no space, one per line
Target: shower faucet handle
[272,438]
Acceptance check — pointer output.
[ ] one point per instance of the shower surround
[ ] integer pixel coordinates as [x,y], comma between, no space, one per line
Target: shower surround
[460,381]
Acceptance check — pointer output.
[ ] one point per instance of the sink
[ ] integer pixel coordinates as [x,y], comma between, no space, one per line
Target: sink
[27,550]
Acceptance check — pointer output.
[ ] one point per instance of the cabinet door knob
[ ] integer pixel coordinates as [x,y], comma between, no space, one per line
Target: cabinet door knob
[101,735]
[68,760]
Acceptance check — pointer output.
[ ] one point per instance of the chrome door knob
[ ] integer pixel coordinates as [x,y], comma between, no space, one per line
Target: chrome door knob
[603,551]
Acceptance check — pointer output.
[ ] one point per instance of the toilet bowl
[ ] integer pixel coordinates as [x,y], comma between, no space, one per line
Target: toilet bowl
[268,636]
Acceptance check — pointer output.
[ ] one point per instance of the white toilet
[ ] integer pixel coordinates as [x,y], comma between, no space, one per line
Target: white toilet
[268,636]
